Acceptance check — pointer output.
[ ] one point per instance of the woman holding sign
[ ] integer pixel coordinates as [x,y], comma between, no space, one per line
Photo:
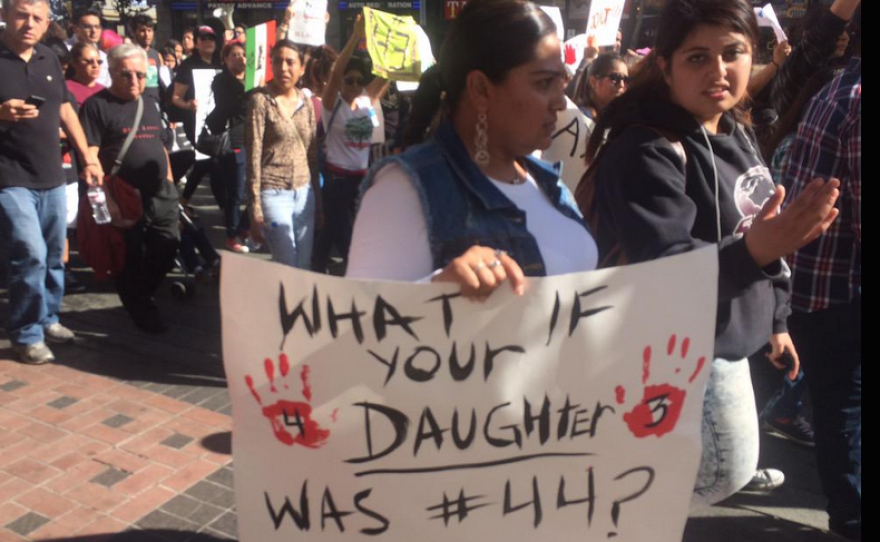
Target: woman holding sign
[350,101]
[681,170]
[471,205]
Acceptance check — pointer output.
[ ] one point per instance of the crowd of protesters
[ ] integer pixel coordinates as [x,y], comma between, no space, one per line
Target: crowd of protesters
[682,138]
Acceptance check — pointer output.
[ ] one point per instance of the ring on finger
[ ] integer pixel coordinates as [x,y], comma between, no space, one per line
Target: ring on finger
[495,265]
[500,253]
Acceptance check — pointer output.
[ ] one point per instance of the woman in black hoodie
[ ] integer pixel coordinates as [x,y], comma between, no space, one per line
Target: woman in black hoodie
[681,170]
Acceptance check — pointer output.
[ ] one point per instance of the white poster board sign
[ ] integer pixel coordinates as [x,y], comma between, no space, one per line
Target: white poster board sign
[556,14]
[402,412]
[573,52]
[604,21]
[573,131]
[767,18]
[202,80]
[309,24]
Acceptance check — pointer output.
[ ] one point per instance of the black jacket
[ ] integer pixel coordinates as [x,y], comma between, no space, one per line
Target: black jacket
[656,203]
[230,109]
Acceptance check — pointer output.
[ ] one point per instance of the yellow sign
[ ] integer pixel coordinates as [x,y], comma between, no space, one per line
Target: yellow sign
[393,42]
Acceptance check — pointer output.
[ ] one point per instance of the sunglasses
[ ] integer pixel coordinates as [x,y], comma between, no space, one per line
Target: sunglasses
[618,79]
[354,81]
[130,75]
[92,62]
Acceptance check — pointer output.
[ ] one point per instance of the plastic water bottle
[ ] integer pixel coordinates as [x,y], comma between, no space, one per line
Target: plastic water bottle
[98,200]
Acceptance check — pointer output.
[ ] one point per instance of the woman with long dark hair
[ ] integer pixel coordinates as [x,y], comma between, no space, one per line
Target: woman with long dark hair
[604,82]
[282,159]
[681,170]
[471,203]
[230,114]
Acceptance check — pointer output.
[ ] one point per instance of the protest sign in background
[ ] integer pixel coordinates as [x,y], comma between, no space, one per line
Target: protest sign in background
[309,25]
[202,80]
[573,131]
[604,22]
[393,43]
[402,412]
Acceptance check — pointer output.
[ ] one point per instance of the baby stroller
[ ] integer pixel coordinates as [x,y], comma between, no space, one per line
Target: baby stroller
[197,258]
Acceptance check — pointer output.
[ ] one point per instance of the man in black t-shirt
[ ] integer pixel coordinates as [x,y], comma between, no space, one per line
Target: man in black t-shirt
[33,202]
[151,246]
[143,29]
[204,58]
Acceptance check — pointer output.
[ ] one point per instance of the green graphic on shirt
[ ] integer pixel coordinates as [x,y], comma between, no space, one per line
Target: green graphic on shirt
[152,77]
[359,130]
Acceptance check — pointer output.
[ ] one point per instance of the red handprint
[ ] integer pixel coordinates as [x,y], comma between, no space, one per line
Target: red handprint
[570,55]
[289,414]
[661,407]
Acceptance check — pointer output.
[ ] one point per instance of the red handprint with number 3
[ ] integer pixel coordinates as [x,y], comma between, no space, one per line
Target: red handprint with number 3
[660,410]
[291,415]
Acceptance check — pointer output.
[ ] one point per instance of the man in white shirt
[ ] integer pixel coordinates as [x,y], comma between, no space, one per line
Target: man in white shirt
[87,27]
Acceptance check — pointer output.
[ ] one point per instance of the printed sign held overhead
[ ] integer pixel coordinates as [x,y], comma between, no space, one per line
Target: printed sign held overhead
[604,22]
[309,24]
[393,43]
[403,412]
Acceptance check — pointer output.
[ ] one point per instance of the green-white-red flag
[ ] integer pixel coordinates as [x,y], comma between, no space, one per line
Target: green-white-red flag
[260,41]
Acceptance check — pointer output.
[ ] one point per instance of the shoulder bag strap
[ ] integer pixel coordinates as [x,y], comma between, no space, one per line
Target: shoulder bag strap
[117,165]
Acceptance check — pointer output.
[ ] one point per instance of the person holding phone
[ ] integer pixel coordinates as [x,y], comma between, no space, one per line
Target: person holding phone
[33,196]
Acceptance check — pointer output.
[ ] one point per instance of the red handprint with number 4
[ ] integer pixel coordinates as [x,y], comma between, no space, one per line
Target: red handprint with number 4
[661,407]
[286,416]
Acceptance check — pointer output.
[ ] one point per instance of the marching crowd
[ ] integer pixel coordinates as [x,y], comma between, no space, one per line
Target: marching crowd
[691,146]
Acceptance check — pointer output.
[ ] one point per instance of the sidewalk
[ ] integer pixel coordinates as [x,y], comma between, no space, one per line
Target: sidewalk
[127,438]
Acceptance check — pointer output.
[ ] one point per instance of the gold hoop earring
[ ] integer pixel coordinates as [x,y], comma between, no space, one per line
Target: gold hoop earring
[481,142]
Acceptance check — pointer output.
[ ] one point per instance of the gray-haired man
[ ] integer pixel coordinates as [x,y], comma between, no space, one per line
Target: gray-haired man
[108,117]
[33,202]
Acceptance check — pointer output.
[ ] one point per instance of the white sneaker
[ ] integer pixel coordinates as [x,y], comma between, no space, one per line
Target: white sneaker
[766,481]
[58,334]
[34,354]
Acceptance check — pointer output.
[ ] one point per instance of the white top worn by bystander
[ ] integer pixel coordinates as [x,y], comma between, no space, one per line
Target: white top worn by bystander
[390,239]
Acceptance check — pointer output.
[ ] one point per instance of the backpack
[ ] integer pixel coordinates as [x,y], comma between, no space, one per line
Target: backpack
[585,195]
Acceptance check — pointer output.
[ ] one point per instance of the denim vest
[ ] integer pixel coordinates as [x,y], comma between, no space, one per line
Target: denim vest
[464,209]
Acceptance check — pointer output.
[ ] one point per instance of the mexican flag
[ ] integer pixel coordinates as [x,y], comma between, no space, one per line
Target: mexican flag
[260,41]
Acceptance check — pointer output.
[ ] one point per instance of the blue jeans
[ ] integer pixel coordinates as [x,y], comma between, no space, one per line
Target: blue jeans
[788,401]
[731,439]
[33,228]
[289,228]
[830,345]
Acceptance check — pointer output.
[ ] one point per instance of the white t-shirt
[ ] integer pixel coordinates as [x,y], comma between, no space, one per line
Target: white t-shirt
[351,135]
[390,239]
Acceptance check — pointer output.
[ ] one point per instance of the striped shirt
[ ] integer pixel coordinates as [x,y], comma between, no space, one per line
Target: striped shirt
[828,272]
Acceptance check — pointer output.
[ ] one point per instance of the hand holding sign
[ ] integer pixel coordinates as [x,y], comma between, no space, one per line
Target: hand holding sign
[604,22]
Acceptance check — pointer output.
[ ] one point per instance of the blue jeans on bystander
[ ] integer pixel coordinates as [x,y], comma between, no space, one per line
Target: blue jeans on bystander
[33,228]
[289,225]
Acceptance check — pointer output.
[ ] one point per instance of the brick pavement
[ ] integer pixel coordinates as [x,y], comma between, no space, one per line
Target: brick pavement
[83,455]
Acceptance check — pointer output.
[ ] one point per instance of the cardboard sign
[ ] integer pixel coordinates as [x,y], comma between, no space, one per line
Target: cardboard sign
[393,43]
[202,81]
[604,22]
[573,131]
[309,25]
[403,412]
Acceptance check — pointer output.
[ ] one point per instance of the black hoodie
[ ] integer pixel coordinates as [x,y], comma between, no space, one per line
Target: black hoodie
[656,203]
